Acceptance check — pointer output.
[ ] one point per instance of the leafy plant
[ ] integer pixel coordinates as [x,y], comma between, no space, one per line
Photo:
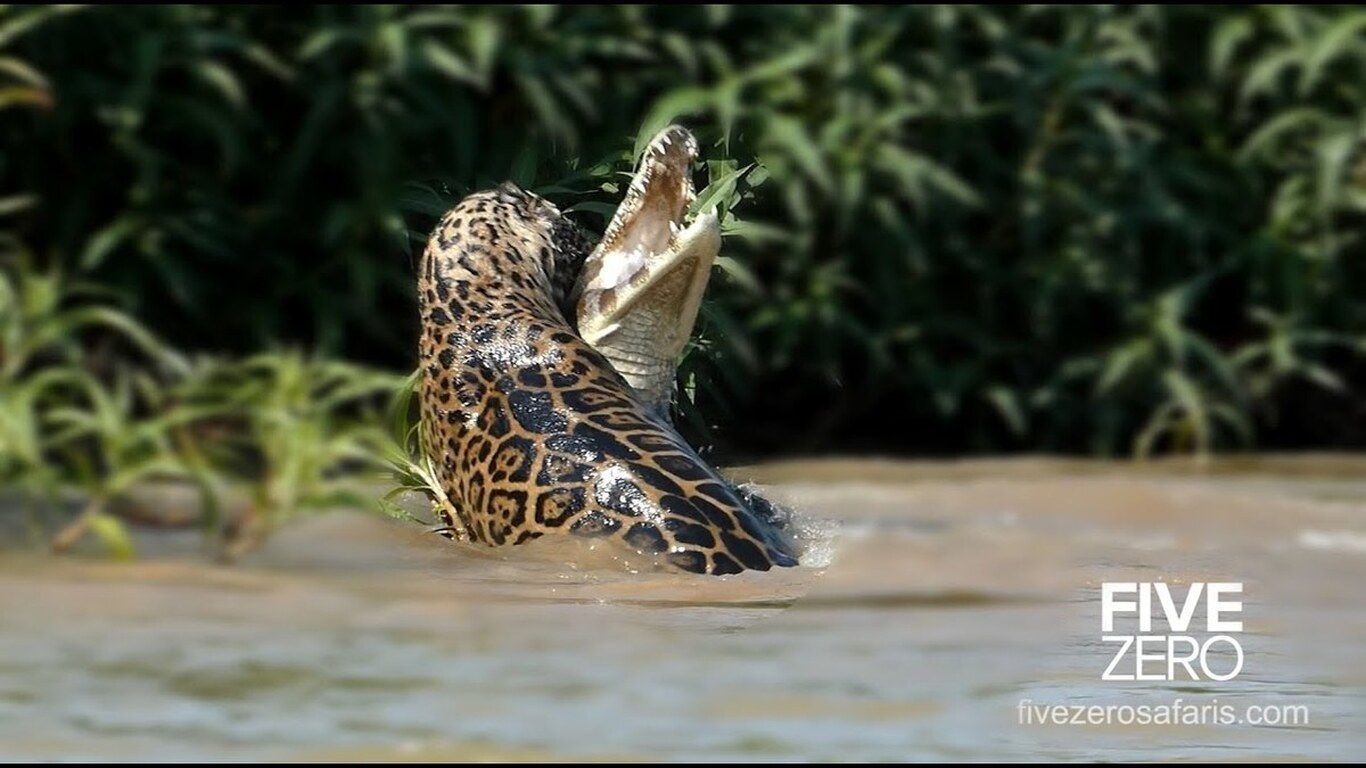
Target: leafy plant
[945,222]
[44,381]
[1192,388]
[112,441]
[297,428]
[410,463]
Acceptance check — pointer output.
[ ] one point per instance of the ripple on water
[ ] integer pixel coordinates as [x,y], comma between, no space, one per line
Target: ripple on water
[1333,541]
[917,624]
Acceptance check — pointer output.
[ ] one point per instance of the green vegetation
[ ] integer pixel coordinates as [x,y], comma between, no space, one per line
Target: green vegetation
[302,432]
[77,414]
[1084,229]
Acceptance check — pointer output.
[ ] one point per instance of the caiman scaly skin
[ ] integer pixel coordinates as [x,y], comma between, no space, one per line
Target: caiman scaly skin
[531,430]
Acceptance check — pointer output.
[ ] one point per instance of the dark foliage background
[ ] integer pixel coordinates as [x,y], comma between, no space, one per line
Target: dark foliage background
[1083,229]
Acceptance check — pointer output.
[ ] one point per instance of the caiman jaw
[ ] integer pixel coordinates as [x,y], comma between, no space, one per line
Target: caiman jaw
[640,289]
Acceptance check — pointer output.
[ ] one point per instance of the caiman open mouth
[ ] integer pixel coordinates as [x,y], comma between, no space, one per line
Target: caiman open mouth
[640,290]
[647,240]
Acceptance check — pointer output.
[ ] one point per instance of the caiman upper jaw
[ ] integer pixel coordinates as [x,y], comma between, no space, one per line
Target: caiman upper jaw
[662,181]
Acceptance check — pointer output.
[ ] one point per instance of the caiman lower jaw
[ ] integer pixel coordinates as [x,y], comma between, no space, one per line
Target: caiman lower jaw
[640,289]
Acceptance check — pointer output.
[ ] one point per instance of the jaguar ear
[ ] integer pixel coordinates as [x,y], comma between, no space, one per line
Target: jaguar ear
[510,192]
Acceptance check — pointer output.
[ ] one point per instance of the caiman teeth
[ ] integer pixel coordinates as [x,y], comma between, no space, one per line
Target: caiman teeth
[670,154]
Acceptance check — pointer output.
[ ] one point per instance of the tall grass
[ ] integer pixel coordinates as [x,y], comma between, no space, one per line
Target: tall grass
[1098,229]
[92,402]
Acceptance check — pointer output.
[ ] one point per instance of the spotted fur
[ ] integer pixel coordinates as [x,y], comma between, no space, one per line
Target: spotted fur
[531,430]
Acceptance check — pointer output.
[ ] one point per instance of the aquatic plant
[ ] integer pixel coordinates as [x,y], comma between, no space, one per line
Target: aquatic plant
[51,398]
[409,463]
[109,441]
[299,430]
[79,414]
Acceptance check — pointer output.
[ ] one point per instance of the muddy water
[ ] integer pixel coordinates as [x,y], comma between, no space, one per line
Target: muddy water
[945,595]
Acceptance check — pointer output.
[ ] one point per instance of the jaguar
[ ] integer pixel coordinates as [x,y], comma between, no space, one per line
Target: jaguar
[533,429]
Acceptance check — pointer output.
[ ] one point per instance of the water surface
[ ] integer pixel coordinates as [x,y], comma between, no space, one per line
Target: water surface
[945,594]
